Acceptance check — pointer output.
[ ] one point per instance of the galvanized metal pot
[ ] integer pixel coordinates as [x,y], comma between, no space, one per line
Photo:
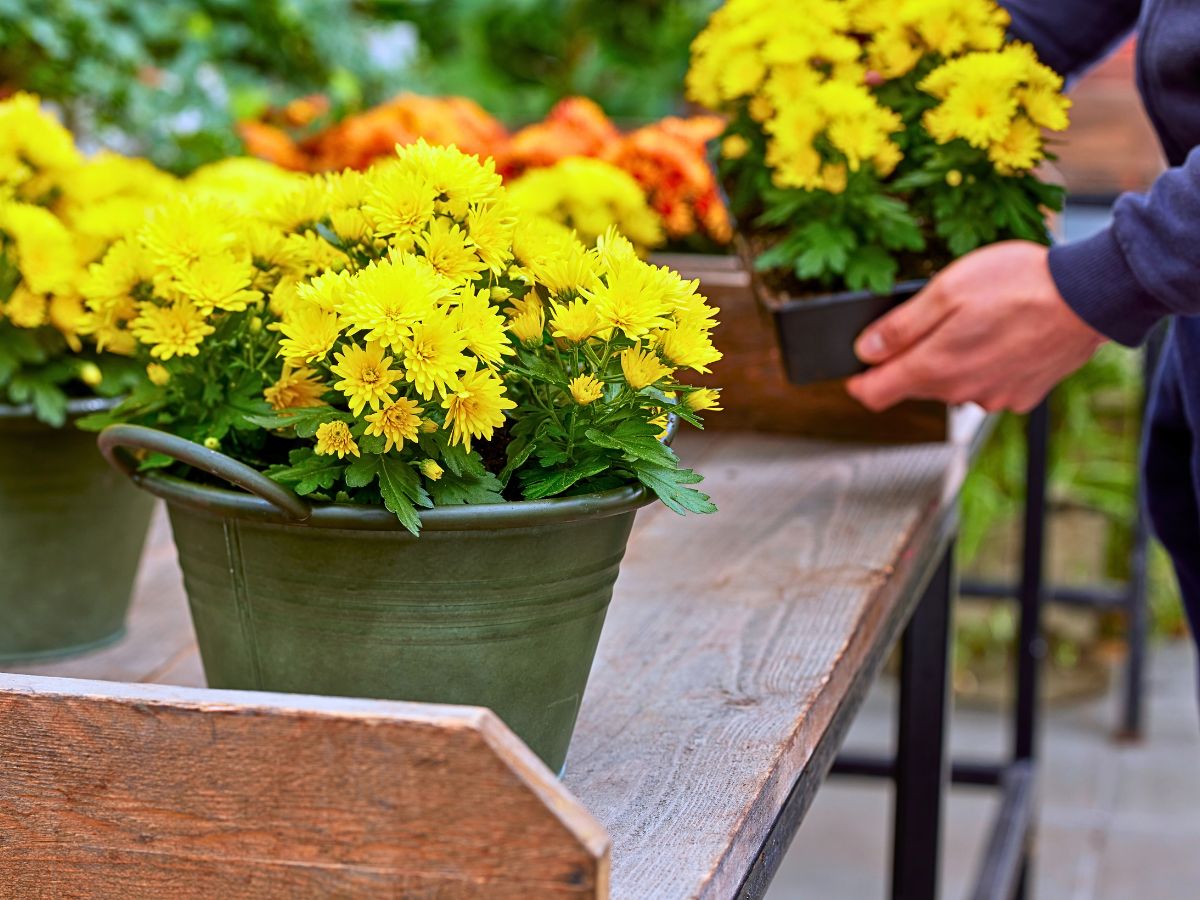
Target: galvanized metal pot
[493,605]
[71,536]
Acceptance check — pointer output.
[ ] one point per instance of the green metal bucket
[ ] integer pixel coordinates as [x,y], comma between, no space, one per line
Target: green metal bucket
[493,605]
[71,536]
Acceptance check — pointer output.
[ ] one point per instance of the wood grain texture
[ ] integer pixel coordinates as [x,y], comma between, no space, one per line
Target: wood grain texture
[757,395]
[719,672]
[143,791]
[732,642]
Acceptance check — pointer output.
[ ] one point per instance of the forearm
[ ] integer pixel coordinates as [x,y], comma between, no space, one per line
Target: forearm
[1143,267]
[1070,35]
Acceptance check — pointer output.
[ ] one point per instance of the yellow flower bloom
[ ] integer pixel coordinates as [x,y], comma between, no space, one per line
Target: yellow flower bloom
[687,347]
[45,253]
[177,329]
[585,389]
[431,470]
[25,309]
[158,374]
[483,326]
[449,251]
[389,297]
[433,354]
[309,334]
[574,322]
[703,399]
[491,230]
[335,437]
[297,387]
[457,180]
[1020,149]
[476,406]
[398,202]
[367,376]
[631,300]
[220,281]
[528,325]
[642,368]
[396,423]
[185,231]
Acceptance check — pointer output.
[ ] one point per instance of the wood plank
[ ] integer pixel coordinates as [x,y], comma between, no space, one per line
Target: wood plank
[140,791]
[732,642]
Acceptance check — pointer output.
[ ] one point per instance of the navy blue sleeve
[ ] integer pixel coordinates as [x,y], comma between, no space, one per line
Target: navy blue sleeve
[1142,267]
[1070,35]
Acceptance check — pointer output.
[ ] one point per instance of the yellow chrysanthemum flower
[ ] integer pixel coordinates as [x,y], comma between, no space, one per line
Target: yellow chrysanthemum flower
[389,297]
[475,409]
[25,309]
[687,347]
[483,327]
[296,387]
[367,376]
[185,231]
[398,202]
[642,368]
[574,322]
[396,423]
[528,325]
[458,180]
[449,251]
[585,389]
[703,399]
[491,228]
[45,252]
[220,281]
[335,438]
[431,470]
[176,329]
[433,354]
[631,300]
[309,334]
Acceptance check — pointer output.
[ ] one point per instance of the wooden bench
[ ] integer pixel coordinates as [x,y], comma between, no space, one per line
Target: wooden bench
[737,651]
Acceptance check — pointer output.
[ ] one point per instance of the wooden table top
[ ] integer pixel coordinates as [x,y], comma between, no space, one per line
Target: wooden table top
[731,645]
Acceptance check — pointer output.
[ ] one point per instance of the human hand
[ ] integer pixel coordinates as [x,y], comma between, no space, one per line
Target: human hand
[991,328]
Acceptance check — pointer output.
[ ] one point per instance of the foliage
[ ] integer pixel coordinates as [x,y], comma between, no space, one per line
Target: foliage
[57,214]
[169,79]
[871,140]
[401,337]
[519,57]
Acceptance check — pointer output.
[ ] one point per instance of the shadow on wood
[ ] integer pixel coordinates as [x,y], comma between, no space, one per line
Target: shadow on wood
[136,790]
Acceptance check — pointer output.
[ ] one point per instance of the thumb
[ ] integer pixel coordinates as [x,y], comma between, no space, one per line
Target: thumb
[903,326]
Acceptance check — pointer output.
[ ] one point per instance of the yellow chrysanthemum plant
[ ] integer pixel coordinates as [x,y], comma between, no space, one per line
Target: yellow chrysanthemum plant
[58,213]
[871,140]
[401,336]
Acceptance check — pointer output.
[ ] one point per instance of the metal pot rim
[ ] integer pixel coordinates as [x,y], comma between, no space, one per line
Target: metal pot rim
[233,504]
[76,407]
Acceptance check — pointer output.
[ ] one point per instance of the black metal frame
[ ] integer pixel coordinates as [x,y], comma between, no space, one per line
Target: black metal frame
[1004,867]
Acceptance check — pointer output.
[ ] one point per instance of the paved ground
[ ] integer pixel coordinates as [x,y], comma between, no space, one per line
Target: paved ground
[1117,820]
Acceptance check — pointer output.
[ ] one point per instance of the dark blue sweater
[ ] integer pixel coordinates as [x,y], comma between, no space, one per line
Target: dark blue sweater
[1146,265]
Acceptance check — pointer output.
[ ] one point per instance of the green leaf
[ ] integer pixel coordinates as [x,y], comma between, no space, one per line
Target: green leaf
[309,472]
[872,268]
[826,249]
[671,487]
[455,490]
[540,483]
[636,439]
[402,492]
[362,471]
[304,419]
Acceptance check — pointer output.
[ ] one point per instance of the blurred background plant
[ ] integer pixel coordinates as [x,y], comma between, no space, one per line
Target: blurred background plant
[169,80]
[518,57]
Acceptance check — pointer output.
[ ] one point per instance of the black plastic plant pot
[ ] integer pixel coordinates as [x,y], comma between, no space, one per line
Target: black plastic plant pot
[817,334]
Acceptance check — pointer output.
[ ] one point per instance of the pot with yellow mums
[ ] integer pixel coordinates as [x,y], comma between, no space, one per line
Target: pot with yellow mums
[71,532]
[402,432]
[870,143]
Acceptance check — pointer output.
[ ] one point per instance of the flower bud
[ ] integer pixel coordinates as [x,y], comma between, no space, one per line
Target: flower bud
[90,374]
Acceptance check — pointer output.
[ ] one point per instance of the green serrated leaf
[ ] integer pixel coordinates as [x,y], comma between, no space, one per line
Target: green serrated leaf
[401,491]
[539,483]
[455,490]
[636,439]
[362,471]
[309,472]
[671,487]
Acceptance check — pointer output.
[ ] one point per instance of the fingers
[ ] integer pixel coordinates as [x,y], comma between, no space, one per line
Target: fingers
[886,385]
[903,326]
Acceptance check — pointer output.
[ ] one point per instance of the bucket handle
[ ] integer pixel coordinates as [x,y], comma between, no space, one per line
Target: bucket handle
[139,437]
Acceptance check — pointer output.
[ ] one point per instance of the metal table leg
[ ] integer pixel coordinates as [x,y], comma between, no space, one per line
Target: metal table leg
[922,770]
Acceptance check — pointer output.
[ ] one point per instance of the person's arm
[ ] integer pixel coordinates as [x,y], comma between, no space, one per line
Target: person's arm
[1070,35]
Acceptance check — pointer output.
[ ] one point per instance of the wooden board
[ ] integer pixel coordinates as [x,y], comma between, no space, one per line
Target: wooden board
[757,395]
[145,791]
[718,675]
